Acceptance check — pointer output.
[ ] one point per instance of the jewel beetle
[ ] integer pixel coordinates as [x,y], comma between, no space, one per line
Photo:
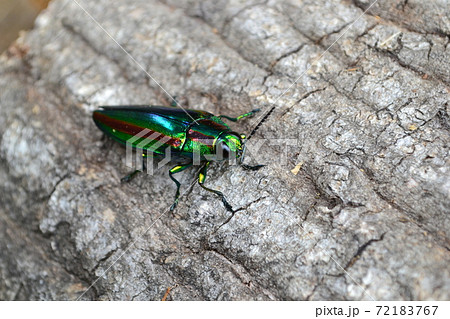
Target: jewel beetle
[183,132]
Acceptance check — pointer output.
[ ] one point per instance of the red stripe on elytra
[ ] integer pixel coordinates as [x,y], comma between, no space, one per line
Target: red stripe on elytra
[131,129]
[198,136]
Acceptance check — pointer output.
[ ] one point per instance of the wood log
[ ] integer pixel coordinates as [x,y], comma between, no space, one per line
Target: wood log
[354,200]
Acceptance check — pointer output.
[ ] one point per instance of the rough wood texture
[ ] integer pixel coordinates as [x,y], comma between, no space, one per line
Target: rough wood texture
[366,216]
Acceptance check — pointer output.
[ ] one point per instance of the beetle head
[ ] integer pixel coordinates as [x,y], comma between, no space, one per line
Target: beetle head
[228,145]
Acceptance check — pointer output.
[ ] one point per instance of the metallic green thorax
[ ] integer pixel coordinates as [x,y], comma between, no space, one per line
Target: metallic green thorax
[171,126]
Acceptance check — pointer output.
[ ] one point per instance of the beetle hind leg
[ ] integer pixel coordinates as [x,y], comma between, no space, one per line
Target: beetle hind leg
[174,102]
[252,168]
[127,178]
[201,180]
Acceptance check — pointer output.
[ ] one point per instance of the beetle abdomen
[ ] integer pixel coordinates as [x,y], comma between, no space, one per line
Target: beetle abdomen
[123,124]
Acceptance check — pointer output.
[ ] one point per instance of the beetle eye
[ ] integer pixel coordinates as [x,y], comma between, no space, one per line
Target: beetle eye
[224,150]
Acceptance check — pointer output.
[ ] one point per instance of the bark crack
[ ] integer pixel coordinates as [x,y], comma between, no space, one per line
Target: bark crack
[361,250]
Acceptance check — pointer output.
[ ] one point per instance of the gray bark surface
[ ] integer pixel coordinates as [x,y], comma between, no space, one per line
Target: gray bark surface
[357,209]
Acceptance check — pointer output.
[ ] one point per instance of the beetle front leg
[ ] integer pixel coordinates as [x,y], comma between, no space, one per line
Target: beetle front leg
[201,180]
[235,119]
[174,170]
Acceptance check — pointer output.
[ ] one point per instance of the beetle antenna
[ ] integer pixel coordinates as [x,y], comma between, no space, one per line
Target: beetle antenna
[256,167]
[260,122]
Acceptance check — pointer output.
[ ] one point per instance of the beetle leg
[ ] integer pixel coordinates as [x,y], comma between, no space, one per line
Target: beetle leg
[174,102]
[131,175]
[235,119]
[201,180]
[174,170]
[251,168]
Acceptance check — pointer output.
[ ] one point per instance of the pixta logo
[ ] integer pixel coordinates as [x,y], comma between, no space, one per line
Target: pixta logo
[146,147]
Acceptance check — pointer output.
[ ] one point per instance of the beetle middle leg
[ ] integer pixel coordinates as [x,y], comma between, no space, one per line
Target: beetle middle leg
[174,170]
[235,119]
[201,180]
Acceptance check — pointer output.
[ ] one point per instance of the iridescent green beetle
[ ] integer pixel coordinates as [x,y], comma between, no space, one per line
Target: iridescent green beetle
[184,132]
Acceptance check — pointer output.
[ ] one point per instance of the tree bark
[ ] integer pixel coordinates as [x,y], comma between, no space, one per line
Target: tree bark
[353,201]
